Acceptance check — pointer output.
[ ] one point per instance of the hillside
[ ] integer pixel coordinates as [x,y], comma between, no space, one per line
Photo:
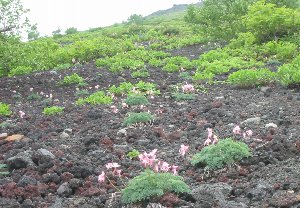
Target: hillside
[155,114]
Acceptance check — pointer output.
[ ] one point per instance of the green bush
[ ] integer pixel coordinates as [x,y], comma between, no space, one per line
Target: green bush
[136,99]
[53,110]
[133,154]
[96,98]
[63,66]
[282,51]
[20,70]
[268,21]
[150,184]
[289,74]
[225,152]
[3,169]
[73,79]
[251,78]
[123,88]
[140,73]
[183,96]
[134,118]
[4,109]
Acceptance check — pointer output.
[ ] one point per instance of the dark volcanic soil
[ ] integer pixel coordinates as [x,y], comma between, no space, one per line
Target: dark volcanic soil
[57,161]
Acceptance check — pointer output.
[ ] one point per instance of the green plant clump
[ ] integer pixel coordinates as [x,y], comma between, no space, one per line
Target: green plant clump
[289,74]
[96,98]
[135,118]
[3,168]
[4,109]
[136,99]
[251,78]
[150,184]
[133,154]
[73,79]
[183,96]
[225,152]
[140,74]
[53,110]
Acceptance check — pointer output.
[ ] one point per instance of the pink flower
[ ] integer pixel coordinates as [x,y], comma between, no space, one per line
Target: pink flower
[174,169]
[124,105]
[156,166]
[207,142]
[118,172]
[248,133]
[188,88]
[183,149]
[114,109]
[236,130]
[97,86]
[112,165]
[101,177]
[165,167]
[30,89]
[210,133]
[50,96]
[215,141]
[21,114]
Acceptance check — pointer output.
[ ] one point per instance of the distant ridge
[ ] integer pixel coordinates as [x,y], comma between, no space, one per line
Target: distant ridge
[175,8]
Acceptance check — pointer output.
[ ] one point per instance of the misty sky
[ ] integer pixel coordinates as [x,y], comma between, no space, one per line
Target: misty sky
[85,14]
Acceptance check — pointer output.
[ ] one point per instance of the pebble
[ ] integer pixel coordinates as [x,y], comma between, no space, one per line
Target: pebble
[64,135]
[271,125]
[15,137]
[3,135]
[254,120]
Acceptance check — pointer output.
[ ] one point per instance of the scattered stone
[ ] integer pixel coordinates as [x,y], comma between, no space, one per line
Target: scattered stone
[214,195]
[64,190]
[57,204]
[45,153]
[271,125]
[9,203]
[266,91]
[155,205]
[3,135]
[259,192]
[254,121]
[26,180]
[122,132]
[64,135]
[15,137]
[21,160]
[284,199]
[68,131]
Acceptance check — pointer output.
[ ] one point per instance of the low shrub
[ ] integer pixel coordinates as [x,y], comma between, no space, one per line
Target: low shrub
[73,79]
[53,110]
[134,118]
[150,184]
[225,152]
[4,109]
[252,78]
[96,98]
[136,99]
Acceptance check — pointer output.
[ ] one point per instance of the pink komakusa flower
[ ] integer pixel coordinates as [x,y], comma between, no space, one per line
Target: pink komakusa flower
[118,172]
[183,149]
[215,141]
[30,89]
[21,114]
[156,166]
[101,177]
[165,167]
[174,169]
[50,96]
[112,165]
[188,88]
[124,105]
[248,133]
[97,86]
[207,142]
[236,130]
[114,109]
[209,132]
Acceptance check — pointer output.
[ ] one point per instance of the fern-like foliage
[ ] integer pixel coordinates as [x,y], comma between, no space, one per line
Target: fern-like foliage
[225,152]
[136,99]
[150,184]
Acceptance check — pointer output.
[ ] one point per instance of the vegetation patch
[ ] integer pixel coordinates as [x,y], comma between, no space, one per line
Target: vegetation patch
[225,152]
[135,118]
[5,109]
[96,98]
[53,110]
